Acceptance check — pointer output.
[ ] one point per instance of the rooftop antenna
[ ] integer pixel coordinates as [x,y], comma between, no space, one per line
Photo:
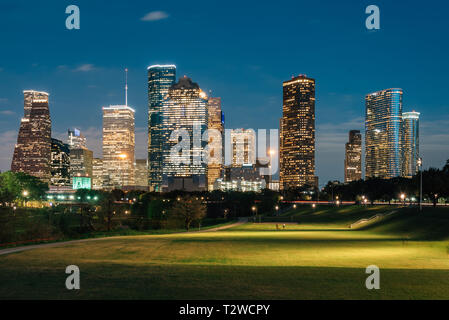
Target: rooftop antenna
[126,86]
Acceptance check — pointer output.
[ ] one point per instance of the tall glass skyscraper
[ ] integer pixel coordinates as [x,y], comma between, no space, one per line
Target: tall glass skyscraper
[353,158]
[297,152]
[118,146]
[32,153]
[184,107]
[160,79]
[60,163]
[215,122]
[383,133]
[410,143]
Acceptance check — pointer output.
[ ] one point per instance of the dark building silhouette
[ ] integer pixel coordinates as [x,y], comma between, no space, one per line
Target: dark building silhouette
[60,163]
[353,158]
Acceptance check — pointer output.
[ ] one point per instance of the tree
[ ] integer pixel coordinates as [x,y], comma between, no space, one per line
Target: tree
[189,209]
[14,184]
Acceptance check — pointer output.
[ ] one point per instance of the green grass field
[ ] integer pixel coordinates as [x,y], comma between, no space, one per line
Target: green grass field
[319,258]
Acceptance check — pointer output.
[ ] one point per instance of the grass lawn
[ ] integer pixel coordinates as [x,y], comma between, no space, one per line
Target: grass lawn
[316,259]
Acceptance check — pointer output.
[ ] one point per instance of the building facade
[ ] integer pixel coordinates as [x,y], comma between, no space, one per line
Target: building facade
[32,153]
[81,163]
[76,140]
[243,147]
[97,174]
[383,133]
[141,173]
[118,146]
[353,157]
[160,79]
[60,163]
[410,143]
[297,146]
[184,110]
[215,122]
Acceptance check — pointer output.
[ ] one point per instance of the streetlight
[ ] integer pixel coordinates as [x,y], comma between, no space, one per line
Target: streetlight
[254,209]
[403,197]
[277,210]
[419,163]
[294,206]
[25,195]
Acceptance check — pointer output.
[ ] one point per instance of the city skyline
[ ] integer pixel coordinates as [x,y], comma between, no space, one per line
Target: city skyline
[247,79]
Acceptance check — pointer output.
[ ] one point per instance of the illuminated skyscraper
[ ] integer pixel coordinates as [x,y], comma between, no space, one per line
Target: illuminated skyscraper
[215,121]
[410,143]
[118,145]
[297,147]
[97,174]
[60,163]
[80,156]
[81,163]
[184,108]
[32,153]
[160,79]
[76,140]
[243,144]
[353,158]
[383,130]
[141,174]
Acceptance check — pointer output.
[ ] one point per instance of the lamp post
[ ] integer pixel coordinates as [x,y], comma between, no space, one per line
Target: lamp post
[420,183]
[277,210]
[25,195]
[403,198]
[254,209]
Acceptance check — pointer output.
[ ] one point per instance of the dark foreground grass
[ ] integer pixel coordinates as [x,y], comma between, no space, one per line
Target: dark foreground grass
[110,281]
[311,260]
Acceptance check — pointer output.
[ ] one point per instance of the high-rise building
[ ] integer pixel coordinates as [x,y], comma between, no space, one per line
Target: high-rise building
[160,79]
[60,163]
[32,153]
[383,131]
[297,147]
[243,145]
[81,163]
[215,122]
[353,158]
[118,146]
[76,140]
[141,173]
[97,174]
[410,143]
[184,110]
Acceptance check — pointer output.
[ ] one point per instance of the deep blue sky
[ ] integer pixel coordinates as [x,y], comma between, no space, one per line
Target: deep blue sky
[241,50]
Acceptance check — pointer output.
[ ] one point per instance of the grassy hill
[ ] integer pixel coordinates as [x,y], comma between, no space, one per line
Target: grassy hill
[320,258]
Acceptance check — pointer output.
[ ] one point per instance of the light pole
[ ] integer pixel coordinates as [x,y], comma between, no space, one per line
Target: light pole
[403,198]
[25,195]
[420,183]
[254,209]
[277,210]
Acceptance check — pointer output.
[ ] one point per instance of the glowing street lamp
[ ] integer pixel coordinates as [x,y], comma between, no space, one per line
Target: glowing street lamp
[25,193]
[403,197]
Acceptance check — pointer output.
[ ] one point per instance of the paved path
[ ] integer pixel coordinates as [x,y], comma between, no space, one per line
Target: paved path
[63,243]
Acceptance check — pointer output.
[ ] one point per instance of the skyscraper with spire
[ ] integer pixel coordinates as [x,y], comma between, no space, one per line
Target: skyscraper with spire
[118,144]
[32,153]
[160,79]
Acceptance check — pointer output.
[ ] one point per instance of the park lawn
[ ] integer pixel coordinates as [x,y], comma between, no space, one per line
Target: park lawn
[251,261]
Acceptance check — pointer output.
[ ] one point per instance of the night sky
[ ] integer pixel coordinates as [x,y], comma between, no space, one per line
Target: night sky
[241,50]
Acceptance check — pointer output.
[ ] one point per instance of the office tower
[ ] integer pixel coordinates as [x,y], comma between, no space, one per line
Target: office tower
[353,157]
[297,152]
[60,163]
[160,79]
[410,143]
[81,163]
[76,140]
[118,145]
[383,130]
[184,108]
[32,153]
[97,174]
[243,144]
[141,173]
[215,122]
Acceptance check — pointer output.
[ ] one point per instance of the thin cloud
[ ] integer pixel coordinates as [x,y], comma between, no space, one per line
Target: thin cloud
[7,112]
[155,16]
[85,68]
